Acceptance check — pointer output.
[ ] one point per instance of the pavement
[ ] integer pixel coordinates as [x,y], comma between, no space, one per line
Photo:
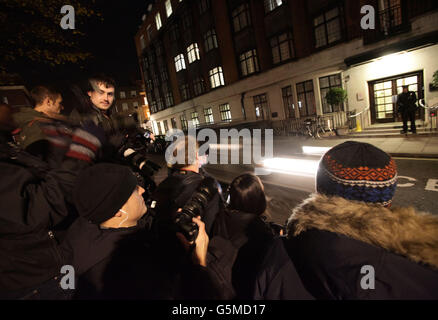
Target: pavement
[413,146]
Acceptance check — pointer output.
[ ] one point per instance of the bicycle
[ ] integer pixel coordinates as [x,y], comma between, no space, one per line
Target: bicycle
[313,128]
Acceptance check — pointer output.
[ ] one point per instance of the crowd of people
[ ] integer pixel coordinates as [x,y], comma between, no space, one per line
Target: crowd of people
[74,191]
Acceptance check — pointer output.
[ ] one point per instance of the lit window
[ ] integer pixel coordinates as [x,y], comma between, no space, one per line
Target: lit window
[216,77]
[306,98]
[288,102]
[282,47]
[272,4]
[124,106]
[166,126]
[168,8]
[122,95]
[158,21]
[180,63]
[184,124]
[210,40]
[208,113]
[193,53]
[261,105]
[135,104]
[325,84]
[173,122]
[195,119]
[225,112]
[248,62]
[133,93]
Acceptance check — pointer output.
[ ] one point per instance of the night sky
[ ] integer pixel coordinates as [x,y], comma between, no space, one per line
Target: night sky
[111,42]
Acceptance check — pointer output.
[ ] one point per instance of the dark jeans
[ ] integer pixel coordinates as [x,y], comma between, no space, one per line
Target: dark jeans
[409,116]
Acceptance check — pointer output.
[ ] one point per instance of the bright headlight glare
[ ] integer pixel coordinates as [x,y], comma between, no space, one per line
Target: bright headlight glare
[315,150]
[292,166]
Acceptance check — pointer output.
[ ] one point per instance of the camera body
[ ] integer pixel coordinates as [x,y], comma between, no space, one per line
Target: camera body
[194,207]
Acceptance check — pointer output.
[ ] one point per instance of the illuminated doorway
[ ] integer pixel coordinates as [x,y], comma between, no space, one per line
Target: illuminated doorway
[383,95]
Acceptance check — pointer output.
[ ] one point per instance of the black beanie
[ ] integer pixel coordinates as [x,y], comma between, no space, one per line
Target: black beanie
[101,190]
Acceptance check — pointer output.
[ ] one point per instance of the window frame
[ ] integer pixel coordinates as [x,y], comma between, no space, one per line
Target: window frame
[193,53]
[288,102]
[339,17]
[158,22]
[225,113]
[271,8]
[261,102]
[184,124]
[179,66]
[212,77]
[326,107]
[237,14]
[210,40]
[209,118]
[246,61]
[196,123]
[305,92]
[167,5]
[278,46]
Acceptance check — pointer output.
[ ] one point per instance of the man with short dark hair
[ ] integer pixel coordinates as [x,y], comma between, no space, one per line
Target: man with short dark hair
[184,178]
[406,106]
[31,135]
[99,107]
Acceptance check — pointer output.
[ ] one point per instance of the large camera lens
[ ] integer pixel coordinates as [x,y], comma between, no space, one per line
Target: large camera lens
[195,207]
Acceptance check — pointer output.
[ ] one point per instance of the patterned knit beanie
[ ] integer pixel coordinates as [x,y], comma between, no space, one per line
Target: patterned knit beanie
[357,171]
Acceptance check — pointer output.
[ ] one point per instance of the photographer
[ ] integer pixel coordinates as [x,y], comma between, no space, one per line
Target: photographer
[124,142]
[179,186]
[258,266]
[34,204]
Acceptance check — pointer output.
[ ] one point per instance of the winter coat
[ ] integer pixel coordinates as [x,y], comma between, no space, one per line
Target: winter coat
[406,102]
[45,137]
[245,253]
[334,241]
[28,120]
[89,249]
[175,191]
[127,263]
[33,204]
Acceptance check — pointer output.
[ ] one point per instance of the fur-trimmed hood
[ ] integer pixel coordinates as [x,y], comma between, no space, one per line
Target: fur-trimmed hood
[403,231]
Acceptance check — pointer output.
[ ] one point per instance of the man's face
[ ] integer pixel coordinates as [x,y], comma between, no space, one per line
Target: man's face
[135,205]
[102,97]
[56,106]
[405,89]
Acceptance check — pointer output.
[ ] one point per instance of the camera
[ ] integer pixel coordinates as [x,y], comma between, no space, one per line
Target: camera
[195,207]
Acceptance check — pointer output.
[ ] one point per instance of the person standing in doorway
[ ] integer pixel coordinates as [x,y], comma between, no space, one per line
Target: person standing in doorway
[407,108]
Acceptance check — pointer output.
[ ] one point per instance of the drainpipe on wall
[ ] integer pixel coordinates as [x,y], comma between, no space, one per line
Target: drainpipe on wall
[242,98]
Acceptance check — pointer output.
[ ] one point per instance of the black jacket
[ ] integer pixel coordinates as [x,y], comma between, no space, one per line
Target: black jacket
[175,191]
[34,202]
[331,240]
[406,102]
[128,263]
[256,264]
